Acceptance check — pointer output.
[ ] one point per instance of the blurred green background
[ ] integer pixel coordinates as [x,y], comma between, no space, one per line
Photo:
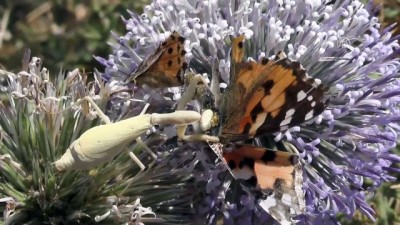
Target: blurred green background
[63,33]
[67,33]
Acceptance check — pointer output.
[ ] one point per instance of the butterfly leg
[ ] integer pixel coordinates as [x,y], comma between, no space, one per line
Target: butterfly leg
[194,82]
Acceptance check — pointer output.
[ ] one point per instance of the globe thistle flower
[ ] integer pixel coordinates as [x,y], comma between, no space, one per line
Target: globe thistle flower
[39,119]
[346,150]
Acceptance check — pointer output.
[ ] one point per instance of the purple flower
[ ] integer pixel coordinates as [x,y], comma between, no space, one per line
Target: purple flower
[339,42]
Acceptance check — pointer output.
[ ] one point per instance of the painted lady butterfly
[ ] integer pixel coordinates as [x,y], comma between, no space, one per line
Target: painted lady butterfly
[262,98]
[165,68]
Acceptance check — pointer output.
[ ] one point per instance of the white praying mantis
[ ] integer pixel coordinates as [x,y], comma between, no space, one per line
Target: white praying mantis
[102,143]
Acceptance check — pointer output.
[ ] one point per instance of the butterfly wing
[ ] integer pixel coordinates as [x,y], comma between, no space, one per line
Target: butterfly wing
[268,96]
[277,174]
[165,68]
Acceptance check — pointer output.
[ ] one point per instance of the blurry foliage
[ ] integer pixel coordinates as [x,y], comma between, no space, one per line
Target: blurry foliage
[67,33]
[390,13]
[64,33]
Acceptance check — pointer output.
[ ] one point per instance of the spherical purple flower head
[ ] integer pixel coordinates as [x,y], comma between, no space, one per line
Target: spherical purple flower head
[338,42]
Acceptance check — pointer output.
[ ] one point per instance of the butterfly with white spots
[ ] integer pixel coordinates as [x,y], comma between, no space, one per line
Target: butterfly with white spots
[263,98]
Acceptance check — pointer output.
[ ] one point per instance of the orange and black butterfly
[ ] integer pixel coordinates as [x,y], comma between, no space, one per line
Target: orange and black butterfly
[264,97]
[165,68]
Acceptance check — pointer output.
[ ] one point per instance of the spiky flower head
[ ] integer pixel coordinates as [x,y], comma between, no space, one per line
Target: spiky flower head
[39,119]
[346,150]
